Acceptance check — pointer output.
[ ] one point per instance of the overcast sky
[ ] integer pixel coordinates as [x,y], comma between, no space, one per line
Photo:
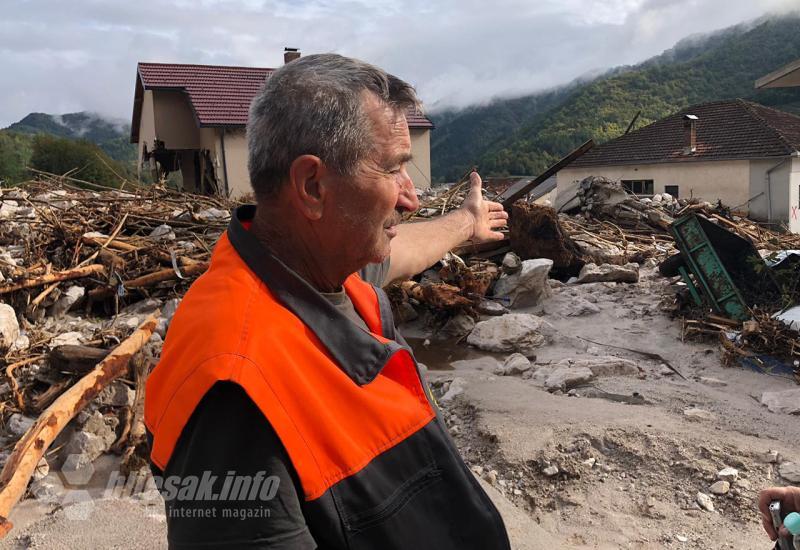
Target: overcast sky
[61,56]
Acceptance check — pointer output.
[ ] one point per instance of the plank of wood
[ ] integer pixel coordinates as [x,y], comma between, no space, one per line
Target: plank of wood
[524,187]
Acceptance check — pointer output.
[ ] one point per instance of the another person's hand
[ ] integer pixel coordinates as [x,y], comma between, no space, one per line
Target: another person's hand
[789,498]
[488,216]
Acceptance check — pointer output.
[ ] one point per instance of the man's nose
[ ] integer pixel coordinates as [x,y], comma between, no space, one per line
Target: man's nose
[407,199]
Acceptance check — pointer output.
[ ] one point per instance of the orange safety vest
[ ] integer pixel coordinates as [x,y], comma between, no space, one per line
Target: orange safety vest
[336,396]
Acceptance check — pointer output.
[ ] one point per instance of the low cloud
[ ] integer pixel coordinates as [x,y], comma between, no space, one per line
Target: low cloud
[60,57]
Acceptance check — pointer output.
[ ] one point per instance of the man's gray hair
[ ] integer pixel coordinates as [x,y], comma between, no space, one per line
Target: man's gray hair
[313,106]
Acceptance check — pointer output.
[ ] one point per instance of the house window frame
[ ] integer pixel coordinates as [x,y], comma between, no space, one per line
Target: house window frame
[642,184]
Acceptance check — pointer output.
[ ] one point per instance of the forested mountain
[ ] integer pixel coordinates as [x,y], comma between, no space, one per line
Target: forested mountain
[112,136]
[525,135]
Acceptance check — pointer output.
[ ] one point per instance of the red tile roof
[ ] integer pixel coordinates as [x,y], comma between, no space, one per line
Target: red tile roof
[730,129]
[219,95]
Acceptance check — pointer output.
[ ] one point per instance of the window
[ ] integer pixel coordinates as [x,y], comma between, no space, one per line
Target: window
[671,190]
[638,187]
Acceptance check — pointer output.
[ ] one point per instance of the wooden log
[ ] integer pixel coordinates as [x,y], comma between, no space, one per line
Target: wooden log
[439,296]
[150,279]
[76,359]
[31,447]
[69,274]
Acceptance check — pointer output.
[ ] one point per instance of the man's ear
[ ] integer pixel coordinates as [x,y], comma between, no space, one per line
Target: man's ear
[307,190]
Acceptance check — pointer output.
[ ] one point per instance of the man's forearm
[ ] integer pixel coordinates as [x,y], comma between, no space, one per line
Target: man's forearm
[418,246]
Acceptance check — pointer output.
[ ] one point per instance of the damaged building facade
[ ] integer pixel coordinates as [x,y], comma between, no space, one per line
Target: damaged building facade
[191,119]
[735,151]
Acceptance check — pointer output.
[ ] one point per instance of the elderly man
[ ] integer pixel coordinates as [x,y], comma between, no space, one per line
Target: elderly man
[284,413]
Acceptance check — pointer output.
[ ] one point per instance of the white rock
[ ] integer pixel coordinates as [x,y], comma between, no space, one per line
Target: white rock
[681,538]
[456,388]
[770,457]
[728,474]
[67,338]
[528,287]
[213,214]
[515,364]
[66,301]
[490,307]
[19,424]
[9,326]
[117,395]
[22,343]
[511,263]
[564,378]
[163,233]
[580,307]
[720,488]
[783,402]
[515,332]
[550,471]
[790,471]
[705,502]
[592,273]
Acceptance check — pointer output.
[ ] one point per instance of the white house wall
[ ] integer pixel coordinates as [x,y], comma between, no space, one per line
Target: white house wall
[420,167]
[778,191]
[174,121]
[794,196]
[236,161]
[147,128]
[726,180]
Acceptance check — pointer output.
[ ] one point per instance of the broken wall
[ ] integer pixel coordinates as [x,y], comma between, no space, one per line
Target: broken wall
[174,121]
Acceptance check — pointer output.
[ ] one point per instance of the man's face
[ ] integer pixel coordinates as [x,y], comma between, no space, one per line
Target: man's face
[369,205]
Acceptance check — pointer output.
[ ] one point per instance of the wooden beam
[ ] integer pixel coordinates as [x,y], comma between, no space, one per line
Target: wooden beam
[510,195]
[31,447]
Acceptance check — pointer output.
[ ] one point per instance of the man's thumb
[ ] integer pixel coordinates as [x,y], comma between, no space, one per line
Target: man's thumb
[474,180]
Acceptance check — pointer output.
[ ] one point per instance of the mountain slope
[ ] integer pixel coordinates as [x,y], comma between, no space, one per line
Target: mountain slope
[698,69]
[112,136]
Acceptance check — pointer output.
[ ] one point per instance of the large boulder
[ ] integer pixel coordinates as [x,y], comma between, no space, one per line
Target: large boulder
[529,286]
[609,273]
[515,332]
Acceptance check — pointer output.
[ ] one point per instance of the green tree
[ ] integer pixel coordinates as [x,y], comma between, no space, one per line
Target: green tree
[83,159]
[15,152]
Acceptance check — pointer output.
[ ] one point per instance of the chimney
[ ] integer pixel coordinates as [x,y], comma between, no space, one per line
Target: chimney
[290,54]
[689,134]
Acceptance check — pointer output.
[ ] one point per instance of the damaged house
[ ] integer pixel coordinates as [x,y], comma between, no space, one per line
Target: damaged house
[191,119]
[736,151]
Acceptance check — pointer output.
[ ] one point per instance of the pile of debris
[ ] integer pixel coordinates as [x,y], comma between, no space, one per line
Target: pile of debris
[606,233]
[89,280]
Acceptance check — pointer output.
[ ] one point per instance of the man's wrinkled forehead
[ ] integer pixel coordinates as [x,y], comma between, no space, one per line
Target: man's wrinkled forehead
[380,112]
